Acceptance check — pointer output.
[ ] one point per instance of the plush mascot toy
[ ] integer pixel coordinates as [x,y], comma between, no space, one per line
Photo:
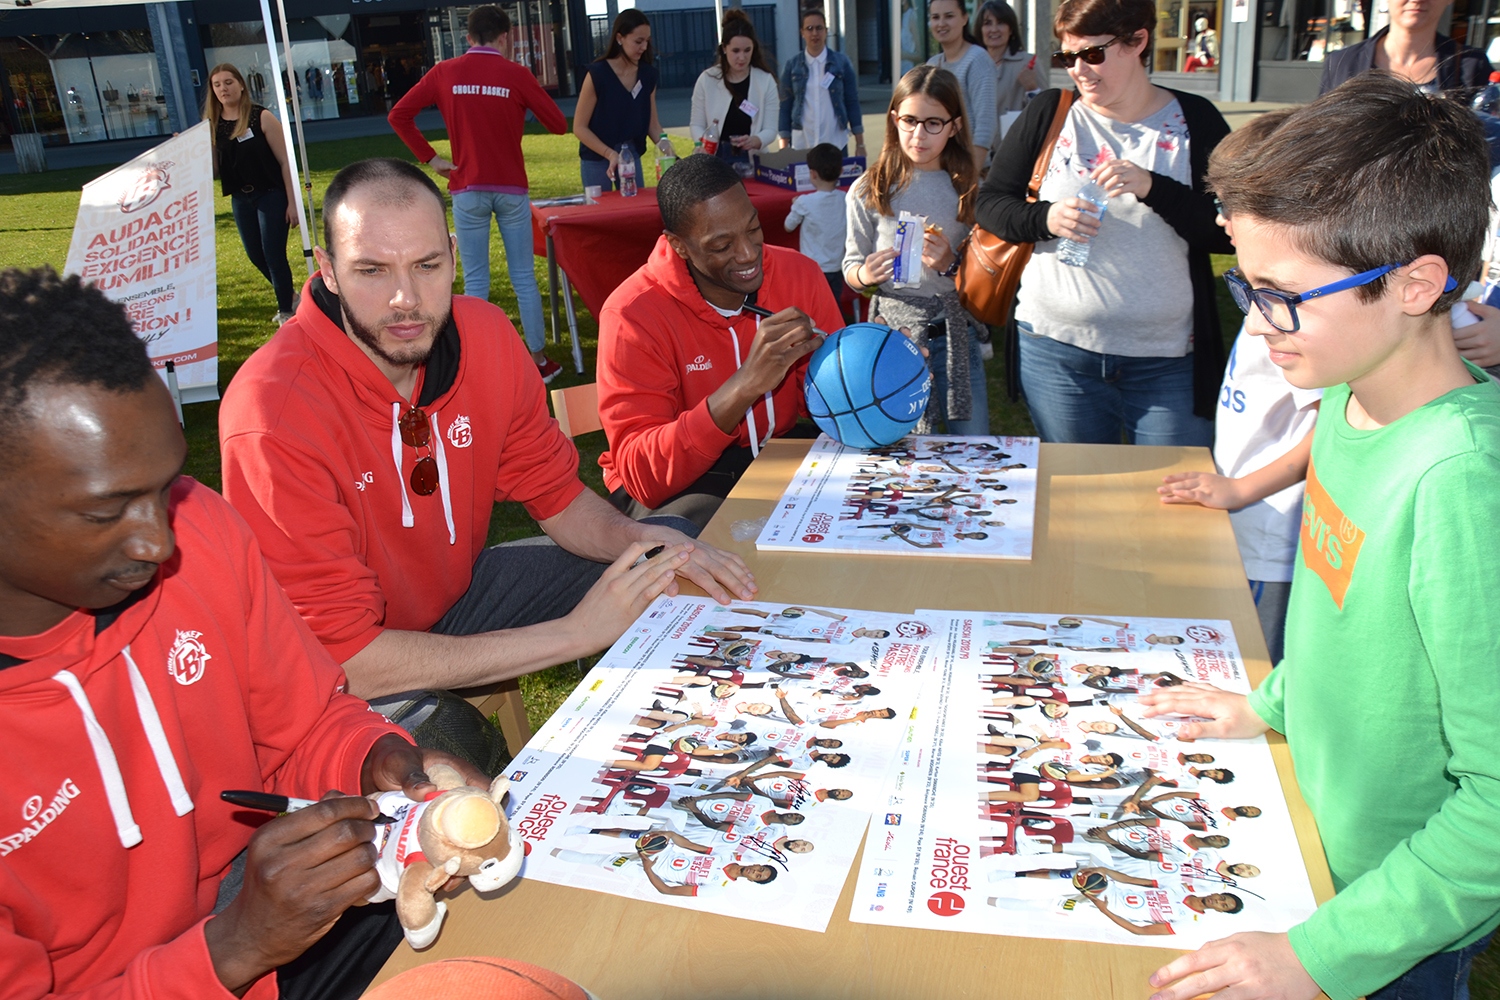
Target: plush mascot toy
[460,831]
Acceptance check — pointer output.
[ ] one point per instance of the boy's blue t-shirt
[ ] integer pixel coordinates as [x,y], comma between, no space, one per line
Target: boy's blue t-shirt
[1389,693]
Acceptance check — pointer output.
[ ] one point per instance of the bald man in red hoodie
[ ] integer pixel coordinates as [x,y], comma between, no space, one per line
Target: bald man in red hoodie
[690,384]
[368,441]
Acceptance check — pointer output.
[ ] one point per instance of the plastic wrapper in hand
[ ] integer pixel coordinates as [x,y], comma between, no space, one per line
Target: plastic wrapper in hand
[907,267]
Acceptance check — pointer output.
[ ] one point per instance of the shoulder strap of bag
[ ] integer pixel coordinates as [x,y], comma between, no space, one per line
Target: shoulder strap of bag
[1064,102]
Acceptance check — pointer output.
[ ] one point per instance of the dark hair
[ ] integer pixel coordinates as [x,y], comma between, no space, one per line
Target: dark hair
[834,759]
[1239,904]
[626,22]
[488,22]
[395,177]
[58,330]
[1115,759]
[807,12]
[968,31]
[737,24]
[827,161]
[687,184]
[1372,173]
[892,170]
[1003,13]
[1225,775]
[1123,19]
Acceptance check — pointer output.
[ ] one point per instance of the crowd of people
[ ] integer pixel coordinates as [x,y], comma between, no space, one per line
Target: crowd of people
[160,642]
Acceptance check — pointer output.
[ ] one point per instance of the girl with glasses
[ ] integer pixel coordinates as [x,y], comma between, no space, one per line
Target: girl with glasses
[1128,347]
[965,58]
[926,167]
[735,101]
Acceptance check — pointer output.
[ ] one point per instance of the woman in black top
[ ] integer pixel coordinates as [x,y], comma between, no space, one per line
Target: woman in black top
[250,161]
[617,103]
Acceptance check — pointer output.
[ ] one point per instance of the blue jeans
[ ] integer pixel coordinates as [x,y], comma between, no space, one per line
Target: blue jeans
[471,222]
[261,220]
[1080,397]
[597,172]
[1438,977]
[979,410]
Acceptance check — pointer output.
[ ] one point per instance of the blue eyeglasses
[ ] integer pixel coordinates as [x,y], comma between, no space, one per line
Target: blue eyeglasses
[1280,308]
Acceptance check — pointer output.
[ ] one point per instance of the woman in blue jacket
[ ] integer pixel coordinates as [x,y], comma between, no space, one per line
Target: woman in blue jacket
[826,109]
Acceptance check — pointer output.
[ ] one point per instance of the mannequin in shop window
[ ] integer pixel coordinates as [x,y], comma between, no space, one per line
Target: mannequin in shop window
[1203,50]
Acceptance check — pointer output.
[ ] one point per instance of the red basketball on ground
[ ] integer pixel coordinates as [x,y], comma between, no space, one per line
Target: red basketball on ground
[478,978]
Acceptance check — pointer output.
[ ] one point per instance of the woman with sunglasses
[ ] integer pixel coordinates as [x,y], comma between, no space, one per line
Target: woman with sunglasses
[965,58]
[735,101]
[925,167]
[1129,346]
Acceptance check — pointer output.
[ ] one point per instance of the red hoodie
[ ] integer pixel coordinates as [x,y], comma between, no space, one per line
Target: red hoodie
[114,838]
[308,432]
[663,350]
[483,98]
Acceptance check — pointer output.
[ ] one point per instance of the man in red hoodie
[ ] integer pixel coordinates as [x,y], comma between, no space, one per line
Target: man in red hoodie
[484,97]
[368,441]
[691,385]
[149,661]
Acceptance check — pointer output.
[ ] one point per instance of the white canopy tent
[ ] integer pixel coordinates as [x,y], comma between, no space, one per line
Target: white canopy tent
[291,118]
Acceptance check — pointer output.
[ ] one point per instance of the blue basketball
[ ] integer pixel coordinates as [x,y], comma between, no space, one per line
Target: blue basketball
[867,386]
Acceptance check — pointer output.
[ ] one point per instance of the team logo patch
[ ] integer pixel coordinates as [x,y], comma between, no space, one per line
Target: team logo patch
[1330,540]
[913,630]
[459,434]
[188,658]
[148,186]
[1202,633]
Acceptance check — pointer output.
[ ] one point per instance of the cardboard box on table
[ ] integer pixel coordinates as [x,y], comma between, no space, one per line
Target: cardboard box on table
[787,168]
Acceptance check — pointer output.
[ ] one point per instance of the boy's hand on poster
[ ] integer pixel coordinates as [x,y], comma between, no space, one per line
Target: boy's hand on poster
[1251,966]
[1073,219]
[1123,177]
[1206,488]
[1229,716]
[1480,342]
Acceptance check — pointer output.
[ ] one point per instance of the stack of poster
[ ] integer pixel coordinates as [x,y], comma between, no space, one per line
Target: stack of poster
[723,759]
[924,495]
[1033,796]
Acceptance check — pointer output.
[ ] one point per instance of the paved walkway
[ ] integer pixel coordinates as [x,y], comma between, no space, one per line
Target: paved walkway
[674,107]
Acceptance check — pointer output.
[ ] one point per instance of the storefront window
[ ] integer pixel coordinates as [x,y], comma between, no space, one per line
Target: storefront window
[324,61]
[1187,36]
[85,87]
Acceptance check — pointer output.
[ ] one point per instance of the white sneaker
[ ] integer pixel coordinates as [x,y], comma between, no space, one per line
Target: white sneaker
[281,318]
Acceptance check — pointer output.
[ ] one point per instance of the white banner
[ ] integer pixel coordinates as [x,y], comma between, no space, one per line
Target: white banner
[145,237]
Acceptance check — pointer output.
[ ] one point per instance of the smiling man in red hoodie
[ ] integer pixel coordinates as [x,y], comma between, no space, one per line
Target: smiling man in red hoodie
[691,385]
[368,441]
[149,661]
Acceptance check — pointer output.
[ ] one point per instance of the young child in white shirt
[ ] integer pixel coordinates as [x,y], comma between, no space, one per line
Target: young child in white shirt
[821,215]
[1262,442]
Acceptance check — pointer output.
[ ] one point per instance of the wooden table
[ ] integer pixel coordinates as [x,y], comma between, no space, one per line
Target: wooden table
[1104,545]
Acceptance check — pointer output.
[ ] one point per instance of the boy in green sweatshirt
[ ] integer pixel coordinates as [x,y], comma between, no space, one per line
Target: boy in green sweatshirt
[1357,222]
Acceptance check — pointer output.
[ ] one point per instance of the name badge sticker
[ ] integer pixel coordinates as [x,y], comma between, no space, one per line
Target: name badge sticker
[748,108]
[249,134]
[636,90]
[827,80]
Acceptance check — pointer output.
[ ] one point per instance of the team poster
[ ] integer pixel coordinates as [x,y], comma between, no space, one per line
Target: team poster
[924,495]
[1034,799]
[723,759]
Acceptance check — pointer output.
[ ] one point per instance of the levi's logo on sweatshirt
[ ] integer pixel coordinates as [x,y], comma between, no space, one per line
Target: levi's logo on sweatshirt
[1330,541]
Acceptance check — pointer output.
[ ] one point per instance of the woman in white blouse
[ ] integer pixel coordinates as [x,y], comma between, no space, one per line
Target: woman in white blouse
[735,101]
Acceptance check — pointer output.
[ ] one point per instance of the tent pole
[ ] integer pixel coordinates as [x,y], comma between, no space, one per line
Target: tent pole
[307,184]
[895,43]
[286,136]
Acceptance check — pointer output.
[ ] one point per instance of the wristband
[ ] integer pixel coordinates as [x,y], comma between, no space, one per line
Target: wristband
[951,270]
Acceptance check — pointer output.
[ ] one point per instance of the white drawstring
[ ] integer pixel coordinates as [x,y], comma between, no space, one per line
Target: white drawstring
[442,464]
[407,520]
[755,444]
[182,802]
[104,757]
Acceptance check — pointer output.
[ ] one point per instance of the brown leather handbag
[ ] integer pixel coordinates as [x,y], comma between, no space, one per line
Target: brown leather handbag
[989,270]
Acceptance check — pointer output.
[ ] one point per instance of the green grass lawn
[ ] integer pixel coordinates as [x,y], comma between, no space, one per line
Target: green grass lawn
[36,222]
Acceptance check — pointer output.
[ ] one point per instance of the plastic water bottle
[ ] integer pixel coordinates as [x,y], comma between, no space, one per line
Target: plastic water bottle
[1071,251]
[1488,99]
[627,171]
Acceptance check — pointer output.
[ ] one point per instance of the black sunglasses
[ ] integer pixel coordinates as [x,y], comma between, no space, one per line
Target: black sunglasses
[1093,55]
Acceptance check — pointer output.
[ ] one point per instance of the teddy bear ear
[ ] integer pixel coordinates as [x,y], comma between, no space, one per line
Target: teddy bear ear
[499,788]
[445,777]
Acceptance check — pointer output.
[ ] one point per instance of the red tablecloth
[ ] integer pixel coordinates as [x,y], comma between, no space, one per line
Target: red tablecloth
[599,246]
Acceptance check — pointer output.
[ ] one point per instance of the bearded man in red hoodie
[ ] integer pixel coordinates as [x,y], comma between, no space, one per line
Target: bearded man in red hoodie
[691,386]
[149,661]
[367,443]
